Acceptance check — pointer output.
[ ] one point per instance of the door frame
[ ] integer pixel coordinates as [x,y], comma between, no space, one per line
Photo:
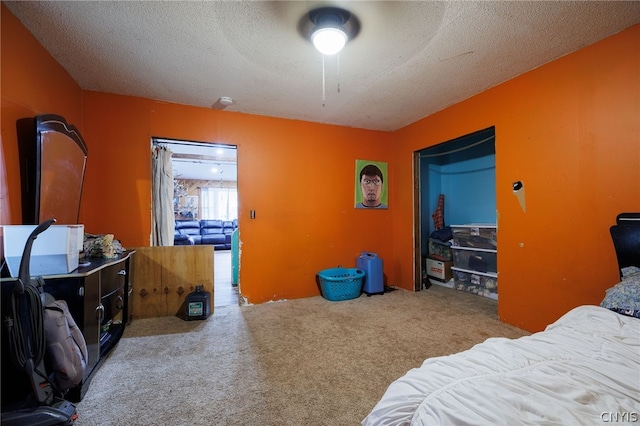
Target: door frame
[417,224]
[156,140]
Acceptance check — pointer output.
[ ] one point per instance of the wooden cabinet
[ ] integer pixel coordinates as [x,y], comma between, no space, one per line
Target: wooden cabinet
[98,299]
[165,275]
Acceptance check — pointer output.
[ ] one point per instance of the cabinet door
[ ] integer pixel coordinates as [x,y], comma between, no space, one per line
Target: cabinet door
[165,275]
[147,298]
[91,319]
[184,268]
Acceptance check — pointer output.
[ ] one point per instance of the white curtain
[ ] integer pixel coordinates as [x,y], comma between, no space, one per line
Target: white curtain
[219,203]
[163,221]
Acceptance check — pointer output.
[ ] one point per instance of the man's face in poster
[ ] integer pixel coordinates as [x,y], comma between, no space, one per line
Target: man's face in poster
[371,187]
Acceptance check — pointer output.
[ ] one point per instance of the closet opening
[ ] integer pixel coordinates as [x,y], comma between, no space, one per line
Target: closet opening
[456,195]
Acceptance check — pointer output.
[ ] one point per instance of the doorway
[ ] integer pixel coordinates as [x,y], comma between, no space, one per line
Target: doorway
[460,174]
[205,189]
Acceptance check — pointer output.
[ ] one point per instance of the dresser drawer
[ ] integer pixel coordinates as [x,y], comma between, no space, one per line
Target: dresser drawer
[113,304]
[112,277]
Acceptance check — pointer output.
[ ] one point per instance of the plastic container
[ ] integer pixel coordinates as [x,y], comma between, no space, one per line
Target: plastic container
[371,264]
[475,236]
[440,250]
[197,304]
[341,283]
[481,260]
[482,284]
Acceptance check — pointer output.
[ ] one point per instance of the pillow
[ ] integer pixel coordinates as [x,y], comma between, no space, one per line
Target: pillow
[629,271]
[624,297]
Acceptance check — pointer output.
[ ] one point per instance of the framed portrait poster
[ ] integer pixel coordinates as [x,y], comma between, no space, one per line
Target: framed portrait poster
[371,185]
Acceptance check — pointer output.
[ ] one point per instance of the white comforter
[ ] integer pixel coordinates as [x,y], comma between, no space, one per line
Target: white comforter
[584,369]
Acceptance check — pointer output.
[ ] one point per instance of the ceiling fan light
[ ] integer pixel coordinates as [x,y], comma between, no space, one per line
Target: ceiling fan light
[328,40]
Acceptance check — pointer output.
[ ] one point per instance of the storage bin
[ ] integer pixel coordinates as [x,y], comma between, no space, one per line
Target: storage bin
[440,250]
[482,284]
[475,236]
[341,283]
[481,260]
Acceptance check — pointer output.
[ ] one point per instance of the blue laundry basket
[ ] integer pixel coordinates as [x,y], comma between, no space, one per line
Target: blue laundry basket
[341,283]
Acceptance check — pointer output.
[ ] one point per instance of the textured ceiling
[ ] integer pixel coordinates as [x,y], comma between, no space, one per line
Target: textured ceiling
[409,59]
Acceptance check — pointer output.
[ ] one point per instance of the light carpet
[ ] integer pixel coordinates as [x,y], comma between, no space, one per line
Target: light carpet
[299,362]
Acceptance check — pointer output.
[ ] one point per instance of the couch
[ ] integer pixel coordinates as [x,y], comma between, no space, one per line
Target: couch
[197,232]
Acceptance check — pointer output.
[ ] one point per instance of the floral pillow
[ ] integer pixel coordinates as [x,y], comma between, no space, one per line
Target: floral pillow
[624,297]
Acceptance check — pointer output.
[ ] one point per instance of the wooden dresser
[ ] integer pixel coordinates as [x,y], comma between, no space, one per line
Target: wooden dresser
[98,296]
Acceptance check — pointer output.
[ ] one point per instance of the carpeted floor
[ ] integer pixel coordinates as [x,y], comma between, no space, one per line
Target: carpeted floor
[300,362]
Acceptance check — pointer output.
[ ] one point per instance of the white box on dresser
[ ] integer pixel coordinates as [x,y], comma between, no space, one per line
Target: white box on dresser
[54,251]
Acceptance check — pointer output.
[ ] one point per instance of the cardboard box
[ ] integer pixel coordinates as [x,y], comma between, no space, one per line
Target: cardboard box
[54,251]
[439,269]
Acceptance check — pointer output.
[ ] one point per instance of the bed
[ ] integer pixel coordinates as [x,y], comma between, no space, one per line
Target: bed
[582,369]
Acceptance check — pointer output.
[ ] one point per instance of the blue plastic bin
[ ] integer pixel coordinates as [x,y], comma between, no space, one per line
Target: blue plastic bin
[371,264]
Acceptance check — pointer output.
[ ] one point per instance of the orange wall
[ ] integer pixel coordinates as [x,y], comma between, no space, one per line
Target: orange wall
[32,83]
[297,176]
[570,132]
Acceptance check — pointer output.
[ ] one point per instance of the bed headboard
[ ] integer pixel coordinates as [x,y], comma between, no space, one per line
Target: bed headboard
[628,219]
[626,239]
